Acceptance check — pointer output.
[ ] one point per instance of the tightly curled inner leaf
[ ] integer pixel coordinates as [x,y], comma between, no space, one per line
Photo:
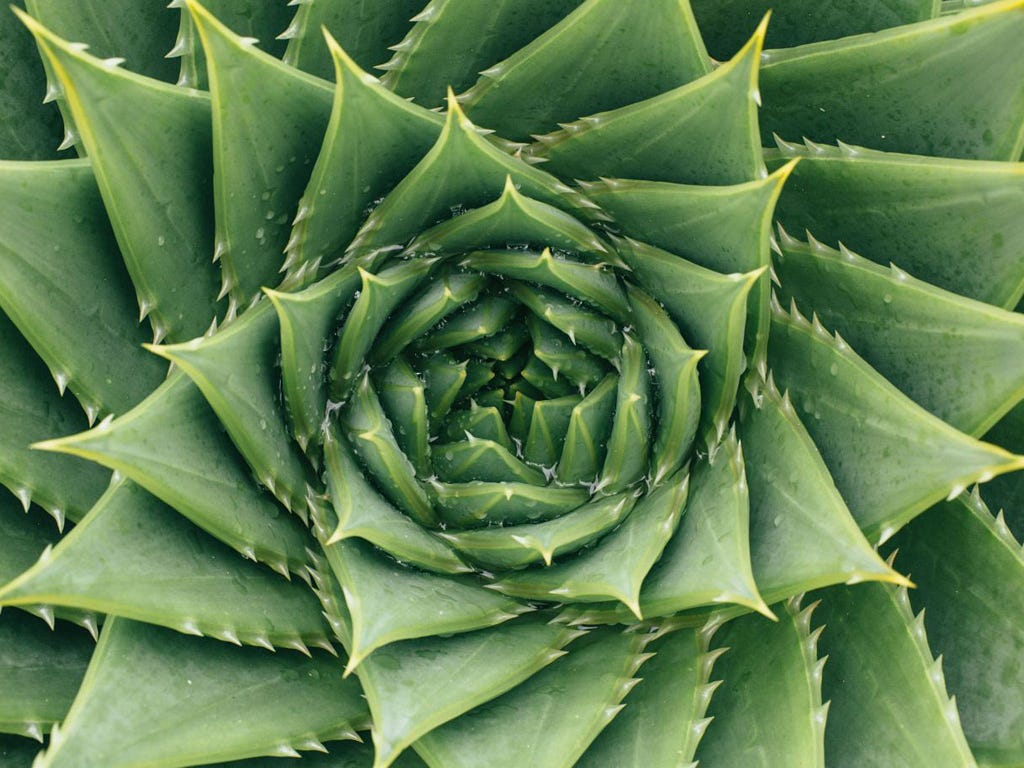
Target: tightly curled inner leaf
[519,416]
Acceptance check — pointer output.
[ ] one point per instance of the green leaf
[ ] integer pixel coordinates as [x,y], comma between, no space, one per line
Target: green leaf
[389,602]
[362,512]
[485,317]
[628,452]
[601,56]
[139,32]
[160,210]
[481,459]
[31,410]
[724,23]
[367,120]
[664,716]
[194,468]
[462,169]
[268,122]
[973,616]
[452,40]
[616,569]
[63,283]
[37,131]
[477,503]
[710,310]
[768,711]
[913,334]
[24,534]
[707,562]
[592,331]
[40,671]
[557,713]
[443,379]
[225,703]
[132,556]
[234,370]
[889,704]
[802,535]
[726,229]
[17,752]
[365,30]
[512,218]
[1006,492]
[890,458]
[922,214]
[941,87]
[403,398]
[514,546]
[560,352]
[549,424]
[704,132]
[586,437]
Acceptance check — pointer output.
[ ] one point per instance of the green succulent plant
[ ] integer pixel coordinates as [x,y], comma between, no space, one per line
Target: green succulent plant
[627,408]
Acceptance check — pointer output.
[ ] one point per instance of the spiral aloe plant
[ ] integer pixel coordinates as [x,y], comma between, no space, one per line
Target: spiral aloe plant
[607,384]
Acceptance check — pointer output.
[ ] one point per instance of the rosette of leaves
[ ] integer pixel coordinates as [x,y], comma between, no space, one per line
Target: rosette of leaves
[517,407]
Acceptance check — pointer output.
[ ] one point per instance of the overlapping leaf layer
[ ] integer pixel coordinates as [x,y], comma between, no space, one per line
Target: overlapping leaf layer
[519,407]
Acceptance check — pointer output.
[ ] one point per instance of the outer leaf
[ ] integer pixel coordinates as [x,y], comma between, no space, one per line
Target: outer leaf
[268,122]
[942,87]
[166,232]
[234,370]
[617,568]
[890,458]
[1006,492]
[131,556]
[40,671]
[593,60]
[929,216]
[802,535]
[31,410]
[225,703]
[974,617]
[63,283]
[389,602]
[704,132]
[558,711]
[889,701]
[912,333]
[452,40]
[664,717]
[768,712]
[194,468]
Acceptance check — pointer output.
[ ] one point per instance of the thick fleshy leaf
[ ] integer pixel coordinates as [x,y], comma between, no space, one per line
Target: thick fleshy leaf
[235,370]
[139,32]
[365,30]
[268,122]
[933,218]
[915,335]
[40,671]
[708,560]
[974,617]
[586,437]
[603,55]
[557,713]
[452,40]
[389,602]
[512,218]
[1006,492]
[768,711]
[549,424]
[942,87]
[479,459]
[166,234]
[403,397]
[584,326]
[225,703]
[63,283]
[663,720]
[704,132]
[616,569]
[890,458]
[802,535]
[724,24]
[462,169]
[888,698]
[482,318]
[132,556]
[24,534]
[514,546]
[478,503]
[194,468]
[367,120]
[710,310]
[32,410]
[362,512]
[628,451]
